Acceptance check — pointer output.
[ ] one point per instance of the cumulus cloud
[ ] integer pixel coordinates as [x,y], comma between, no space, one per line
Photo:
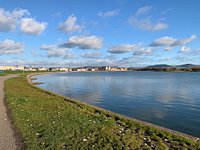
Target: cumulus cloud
[185,41]
[11,47]
[10,19]
[91,55]
[146,24]
[53,50]
[138,20]
[109,13]
[143,51]
[56,51]
[31,26]
[84,42]
[70,25]
[185,49]
[164,41]
[170,42]
[123,48]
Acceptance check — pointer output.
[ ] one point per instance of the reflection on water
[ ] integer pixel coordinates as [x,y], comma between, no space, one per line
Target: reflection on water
[167,99]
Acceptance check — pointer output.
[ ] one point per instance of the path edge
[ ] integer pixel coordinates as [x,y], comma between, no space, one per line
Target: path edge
[19,142]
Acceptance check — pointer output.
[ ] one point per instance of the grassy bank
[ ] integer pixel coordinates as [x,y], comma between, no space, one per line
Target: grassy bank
[6,72]
[3,73]
[49,121]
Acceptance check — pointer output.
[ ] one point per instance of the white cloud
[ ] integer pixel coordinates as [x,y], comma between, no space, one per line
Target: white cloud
[169,42]
[56,51]
[163,41]
[143,51]
[109,13]
[145,23]
[123,48]
[69,55]
[10,47]
[84,42]
[10,19]
[91,55]
[47,47]
[70,25]
[143,10]
[185,49]
[184,41]
[31,26]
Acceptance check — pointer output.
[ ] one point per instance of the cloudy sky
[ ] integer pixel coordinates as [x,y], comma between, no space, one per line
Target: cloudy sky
[99,32]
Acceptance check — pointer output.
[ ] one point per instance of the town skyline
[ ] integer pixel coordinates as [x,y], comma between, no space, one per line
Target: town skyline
[99,33]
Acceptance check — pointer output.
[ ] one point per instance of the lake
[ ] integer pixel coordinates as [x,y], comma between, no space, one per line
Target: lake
[168,99]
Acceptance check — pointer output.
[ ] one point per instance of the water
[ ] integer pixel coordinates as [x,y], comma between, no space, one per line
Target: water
[167,99]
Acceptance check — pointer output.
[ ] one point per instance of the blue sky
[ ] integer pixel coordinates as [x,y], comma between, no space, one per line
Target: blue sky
[118,33]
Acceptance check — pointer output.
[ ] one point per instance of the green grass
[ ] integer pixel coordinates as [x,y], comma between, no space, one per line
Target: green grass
[3,73]
[49,121]
[6,72]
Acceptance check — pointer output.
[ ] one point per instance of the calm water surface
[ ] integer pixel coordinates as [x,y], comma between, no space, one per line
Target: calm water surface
[167,99]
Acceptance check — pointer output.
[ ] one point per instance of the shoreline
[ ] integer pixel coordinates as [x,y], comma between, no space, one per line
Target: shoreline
[148,124]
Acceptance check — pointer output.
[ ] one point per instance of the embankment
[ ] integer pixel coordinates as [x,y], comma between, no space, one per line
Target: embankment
[48,120]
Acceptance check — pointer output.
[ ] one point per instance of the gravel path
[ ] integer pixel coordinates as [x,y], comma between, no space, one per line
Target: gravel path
[7,139]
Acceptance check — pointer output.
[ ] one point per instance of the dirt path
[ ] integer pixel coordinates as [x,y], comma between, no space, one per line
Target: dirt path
[7,139]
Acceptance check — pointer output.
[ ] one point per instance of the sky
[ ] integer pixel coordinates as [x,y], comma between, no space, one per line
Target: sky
[77,33]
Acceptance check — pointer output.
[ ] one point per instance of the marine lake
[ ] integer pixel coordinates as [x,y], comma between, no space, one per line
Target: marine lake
[168,99]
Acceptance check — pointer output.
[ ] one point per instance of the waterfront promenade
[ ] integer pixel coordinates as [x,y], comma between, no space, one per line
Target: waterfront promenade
[7,139]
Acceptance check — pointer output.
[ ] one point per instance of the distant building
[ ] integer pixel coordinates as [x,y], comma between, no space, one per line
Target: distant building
[42,69]
[54,69]
[92,69]
[64,69]
[82,69]
[105,68]
[12,67]
[30,69]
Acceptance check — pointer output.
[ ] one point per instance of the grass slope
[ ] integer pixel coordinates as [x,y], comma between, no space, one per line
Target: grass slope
[3,73]
[6,72]
[49,121]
